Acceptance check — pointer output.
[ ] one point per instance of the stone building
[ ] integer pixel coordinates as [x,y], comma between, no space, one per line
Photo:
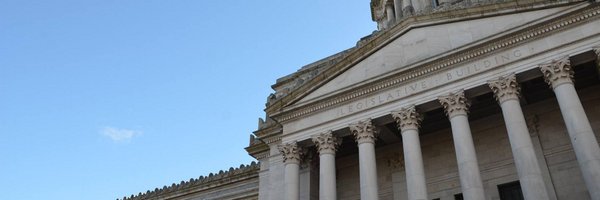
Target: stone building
[446,100]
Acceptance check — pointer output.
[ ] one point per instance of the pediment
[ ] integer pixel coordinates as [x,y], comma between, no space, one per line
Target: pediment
[420,43]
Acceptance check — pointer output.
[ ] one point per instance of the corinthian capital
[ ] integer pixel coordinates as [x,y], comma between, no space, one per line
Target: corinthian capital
[597,51]
[455,103]
[326,143]
[363,131]
[407,118]
[291,153]
[557,72]
[505,88]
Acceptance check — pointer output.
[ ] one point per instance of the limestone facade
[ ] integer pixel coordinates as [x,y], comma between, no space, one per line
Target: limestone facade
[447,100]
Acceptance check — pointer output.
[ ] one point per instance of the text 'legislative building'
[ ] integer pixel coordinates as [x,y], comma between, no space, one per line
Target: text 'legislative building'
[447,100]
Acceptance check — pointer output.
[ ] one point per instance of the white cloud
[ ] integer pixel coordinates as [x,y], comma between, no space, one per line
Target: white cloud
[119,135]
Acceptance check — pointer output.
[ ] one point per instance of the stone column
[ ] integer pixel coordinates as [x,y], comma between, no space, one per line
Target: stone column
[391,17]
[364,133]
[326,145]
[291,159]
[408,120]
[456,107]
[558,74]
[506,89]
[398,9]
[407,8]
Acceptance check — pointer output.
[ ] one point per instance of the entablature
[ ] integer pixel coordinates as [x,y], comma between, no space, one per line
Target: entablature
[284,104]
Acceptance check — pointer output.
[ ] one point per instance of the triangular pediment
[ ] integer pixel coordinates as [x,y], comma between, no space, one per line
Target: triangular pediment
[419,43]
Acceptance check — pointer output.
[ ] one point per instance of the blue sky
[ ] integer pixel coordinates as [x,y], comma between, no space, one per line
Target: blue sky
[105,98]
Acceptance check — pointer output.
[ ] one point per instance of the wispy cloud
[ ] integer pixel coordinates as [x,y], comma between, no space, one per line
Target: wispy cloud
[119,135]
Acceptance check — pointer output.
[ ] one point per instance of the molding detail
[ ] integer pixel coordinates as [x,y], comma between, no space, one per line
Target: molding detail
[407,118]
[364,131]
[455,103]
[533,125]
[291,153]
[505,88]
[233,175]
[396,162]
[326,142]
[558,72]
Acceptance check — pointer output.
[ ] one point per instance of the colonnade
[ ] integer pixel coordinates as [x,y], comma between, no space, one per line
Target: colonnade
[558,74]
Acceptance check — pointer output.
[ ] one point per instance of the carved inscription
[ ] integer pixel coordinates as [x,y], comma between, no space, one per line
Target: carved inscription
[417,86]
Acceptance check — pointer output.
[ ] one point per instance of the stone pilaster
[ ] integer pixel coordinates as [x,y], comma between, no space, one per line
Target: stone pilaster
[326,143]
[291,153]
[597,51]
[363,131]
[505,88]
[455,104]
[558,72]
[407,118]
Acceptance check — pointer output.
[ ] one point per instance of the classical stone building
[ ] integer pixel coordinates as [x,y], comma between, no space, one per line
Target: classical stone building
[446,100]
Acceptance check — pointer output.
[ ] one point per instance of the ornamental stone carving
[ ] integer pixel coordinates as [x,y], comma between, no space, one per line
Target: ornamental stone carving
[533,125]
[557,72]
[326,143]
[505,88]
[291,153]
[396,162]
[363,131]
[455,103]
[407,118]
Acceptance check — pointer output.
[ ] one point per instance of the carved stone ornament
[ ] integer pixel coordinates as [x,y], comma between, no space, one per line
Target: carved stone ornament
[407,118]
[291,153]
[558,72]
[396,162]
[455,103]
[533,125]
[326,142]
[363,131]
[505,88]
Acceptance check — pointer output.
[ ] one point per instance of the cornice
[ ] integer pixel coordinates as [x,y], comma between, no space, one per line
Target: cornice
[461,57]
[258,150]
[244,172]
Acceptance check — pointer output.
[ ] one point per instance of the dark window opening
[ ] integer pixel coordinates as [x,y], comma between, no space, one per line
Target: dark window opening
[458,196]
[510,191]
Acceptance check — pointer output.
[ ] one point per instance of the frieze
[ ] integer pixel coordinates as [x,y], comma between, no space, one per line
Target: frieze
[406,83]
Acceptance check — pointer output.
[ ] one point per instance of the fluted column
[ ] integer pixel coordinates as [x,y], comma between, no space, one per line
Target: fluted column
[408,120]
[558,74]
[291,158]
[326,145]
[506,89]
[456,107]
[364,133]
